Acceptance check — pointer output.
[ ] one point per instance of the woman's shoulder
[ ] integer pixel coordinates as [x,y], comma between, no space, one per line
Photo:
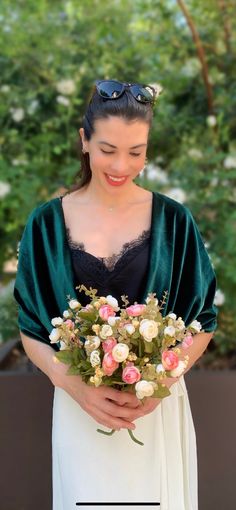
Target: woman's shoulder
[171,207]
[44,210]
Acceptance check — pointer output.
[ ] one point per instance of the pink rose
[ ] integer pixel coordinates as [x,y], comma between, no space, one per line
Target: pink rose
[131,374]
[135,310]
[108,344]
[187,341]
[109,365]
[106,311]
[70,324]
[170,360]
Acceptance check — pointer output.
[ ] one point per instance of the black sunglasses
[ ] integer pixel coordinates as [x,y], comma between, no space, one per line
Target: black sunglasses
[112,89]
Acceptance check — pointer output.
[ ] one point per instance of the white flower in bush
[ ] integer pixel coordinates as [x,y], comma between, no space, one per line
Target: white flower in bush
[5,89]
[17,114]
[57,321]
[66,87]
[195,153]
[5,188]
[176,372]
[169,331]
[54,335]
[73,304]
[95,358]
[211,120]
[120,352]
[112,302]
[177,194]
[230,162]
[148,329]
[196,326]
[33,106]
[63,100]
[106,331]
[144,389]
[219,298]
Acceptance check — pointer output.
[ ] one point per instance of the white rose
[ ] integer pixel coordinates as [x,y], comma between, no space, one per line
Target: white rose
[160,368]
[112,320]
[180,324]
[144,389]
[106,331]
[66,314]
[129,328]
[172,316]
[195,153]
[176,372]
[95,358]
[196,326]
[73,304]
[5,89]
[148,329]
[57,321]
[66,87]
[169,331]
[63,346]
[54,335]
[120,352]
[95,342]
[112,302]
[230,162]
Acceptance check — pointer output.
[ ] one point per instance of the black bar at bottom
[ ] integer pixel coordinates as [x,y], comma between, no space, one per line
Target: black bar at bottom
[117,503]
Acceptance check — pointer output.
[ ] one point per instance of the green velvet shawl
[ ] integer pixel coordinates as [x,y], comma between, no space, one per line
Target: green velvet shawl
[179,263]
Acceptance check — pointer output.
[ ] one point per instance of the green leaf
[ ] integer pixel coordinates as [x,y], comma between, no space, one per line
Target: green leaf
[73,371]
[161,392]
[65,356]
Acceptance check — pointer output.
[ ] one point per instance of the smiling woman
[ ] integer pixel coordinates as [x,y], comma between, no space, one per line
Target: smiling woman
[157,247]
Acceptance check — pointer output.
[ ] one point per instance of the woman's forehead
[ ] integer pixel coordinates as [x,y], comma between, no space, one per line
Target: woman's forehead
[118,128]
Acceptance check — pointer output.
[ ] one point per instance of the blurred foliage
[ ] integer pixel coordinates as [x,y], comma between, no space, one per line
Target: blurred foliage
[192,146]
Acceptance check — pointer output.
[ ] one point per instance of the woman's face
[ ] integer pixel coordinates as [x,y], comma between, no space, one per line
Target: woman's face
[116,149]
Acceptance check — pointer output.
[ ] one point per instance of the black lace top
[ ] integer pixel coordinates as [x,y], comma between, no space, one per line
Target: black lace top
[122,273]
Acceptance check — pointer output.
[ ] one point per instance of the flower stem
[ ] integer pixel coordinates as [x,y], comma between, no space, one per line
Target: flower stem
[129,431]
[106,433]
[134,438]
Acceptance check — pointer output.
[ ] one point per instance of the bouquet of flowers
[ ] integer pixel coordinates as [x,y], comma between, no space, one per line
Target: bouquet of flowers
[134,350]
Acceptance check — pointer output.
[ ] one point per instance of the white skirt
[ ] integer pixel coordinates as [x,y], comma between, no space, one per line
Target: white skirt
[93,468]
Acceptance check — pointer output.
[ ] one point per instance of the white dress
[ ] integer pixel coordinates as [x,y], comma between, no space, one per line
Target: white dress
[93,468]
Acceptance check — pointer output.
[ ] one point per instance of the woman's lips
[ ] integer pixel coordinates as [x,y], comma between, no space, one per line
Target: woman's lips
[116,182]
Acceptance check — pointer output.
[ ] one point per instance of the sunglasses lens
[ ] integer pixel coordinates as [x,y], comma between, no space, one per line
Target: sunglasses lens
[143,94]
[109,89]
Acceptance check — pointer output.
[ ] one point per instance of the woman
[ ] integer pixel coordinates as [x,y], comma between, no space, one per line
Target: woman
[111,234]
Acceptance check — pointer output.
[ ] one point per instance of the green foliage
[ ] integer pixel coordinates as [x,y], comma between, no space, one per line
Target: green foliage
[192,144]
[8,314]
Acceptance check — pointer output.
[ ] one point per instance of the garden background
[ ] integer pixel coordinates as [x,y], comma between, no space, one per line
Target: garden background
[50,55]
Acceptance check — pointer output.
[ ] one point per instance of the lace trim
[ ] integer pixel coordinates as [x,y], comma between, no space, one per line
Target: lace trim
[111,261]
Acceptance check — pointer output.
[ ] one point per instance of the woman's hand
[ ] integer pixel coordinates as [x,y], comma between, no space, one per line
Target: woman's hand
[109,407]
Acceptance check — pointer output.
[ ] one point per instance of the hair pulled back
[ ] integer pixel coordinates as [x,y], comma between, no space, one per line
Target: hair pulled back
[126,106]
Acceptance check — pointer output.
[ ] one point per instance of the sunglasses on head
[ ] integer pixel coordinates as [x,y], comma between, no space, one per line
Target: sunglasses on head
[112,89]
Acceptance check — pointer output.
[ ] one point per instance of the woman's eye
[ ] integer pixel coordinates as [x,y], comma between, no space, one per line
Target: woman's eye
[111,152]
[105,152]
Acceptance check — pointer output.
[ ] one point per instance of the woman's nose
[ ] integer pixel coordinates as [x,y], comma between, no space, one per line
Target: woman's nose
[120,165]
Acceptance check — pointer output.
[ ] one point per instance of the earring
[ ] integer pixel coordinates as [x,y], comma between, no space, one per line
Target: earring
[146,161]
[84,150]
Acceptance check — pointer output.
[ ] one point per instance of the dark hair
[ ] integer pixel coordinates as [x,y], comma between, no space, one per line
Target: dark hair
[125,106]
